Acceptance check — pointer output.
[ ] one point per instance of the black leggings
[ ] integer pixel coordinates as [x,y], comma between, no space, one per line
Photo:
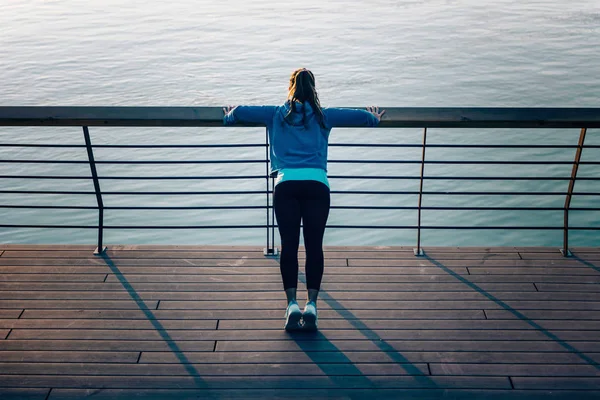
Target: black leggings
[307,201]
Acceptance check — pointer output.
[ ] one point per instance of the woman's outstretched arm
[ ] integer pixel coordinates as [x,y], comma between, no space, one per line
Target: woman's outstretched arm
[251,114]
[353,117]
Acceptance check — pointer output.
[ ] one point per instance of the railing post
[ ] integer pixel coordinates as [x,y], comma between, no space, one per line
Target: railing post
[565,250]
[88,144]
[270,250]
[419,251]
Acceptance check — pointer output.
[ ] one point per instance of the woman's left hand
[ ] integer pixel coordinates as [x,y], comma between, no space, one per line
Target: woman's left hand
[227,109]
[375,111]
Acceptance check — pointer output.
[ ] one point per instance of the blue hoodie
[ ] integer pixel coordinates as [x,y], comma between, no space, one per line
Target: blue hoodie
[296,144]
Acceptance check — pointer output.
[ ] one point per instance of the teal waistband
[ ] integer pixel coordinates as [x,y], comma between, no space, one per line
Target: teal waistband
[302,174]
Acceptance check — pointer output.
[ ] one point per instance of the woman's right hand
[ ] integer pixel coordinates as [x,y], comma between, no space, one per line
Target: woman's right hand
[227,109]
[375,111]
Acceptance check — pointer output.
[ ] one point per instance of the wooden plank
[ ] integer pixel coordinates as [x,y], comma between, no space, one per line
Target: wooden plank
[554,370]
[204,370]
[337,393]
[14,246]
[223,382]
[76,304]
[4,333]
[555,255]
[105,345]
[1,252]
[362,259]
[393,347]
[277,296]
[28,323]
[230,248]
[338,272]
[372,305]
[97,261]
[202,254]
[533,271]
[221,262]
[382,357]
[331,394]
[593,257]
[266,314]
[23,393]
[557,383]
[324,333]
[469,249]
[578,287]
[52,277]
[442,255]
[372,283]
[139,254]
[331,288]
[5,314]
[36,356]
[425,262]
[401,346]
[411,278]
[586,249]
[348,305]
[546,314]
[380,324]
[396,268]
[91,248]
[21,269]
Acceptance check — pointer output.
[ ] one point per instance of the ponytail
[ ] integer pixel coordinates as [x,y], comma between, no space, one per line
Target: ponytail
[302,88]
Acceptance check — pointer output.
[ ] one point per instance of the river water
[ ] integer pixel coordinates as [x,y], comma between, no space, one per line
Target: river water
[389,53]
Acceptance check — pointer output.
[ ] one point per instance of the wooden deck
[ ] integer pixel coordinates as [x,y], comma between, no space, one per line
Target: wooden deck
[185,322]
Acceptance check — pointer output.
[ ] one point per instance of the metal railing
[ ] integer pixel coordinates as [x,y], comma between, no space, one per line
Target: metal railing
[518,118]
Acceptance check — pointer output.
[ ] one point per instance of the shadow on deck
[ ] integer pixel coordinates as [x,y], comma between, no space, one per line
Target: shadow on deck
[186,322]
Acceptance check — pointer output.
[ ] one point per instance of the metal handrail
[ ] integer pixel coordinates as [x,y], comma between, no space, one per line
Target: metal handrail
[394,117]
[582,118]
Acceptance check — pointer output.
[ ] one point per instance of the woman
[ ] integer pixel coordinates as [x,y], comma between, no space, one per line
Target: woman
[298,135]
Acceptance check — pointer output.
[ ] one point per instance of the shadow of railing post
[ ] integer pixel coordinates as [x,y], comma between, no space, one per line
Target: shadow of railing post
[567,346]
[160,329]
[423,379]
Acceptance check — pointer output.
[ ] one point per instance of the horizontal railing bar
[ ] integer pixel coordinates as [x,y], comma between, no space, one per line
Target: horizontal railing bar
[384,145]
[128,193]
[465,146]
[74,146]
[333,192]
[227,177]
[446,208]
[330,161]
[136,227]
[131,177]
[136,162]
[471,162]
[175,146]
[51,207]
[463,193]
[265,226]
[395,117]
[134,146]
[473,178]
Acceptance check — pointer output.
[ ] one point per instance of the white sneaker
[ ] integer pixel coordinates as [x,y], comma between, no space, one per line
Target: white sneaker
[292,317]
[310,316]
